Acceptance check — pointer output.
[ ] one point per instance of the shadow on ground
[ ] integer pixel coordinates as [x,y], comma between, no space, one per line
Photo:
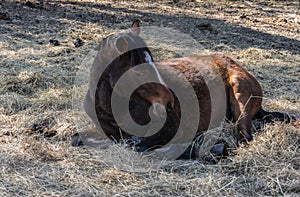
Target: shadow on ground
[57,14]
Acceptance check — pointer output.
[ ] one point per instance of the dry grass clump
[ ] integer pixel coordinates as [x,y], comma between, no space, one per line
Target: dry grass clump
[273,158]
[37,96]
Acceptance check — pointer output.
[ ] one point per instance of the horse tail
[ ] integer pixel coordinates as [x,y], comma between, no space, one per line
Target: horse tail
[270,117]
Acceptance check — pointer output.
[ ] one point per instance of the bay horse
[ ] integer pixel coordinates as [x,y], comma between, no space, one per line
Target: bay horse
[123,51]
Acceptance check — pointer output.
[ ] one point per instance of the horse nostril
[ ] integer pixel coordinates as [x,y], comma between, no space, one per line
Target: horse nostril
[169,107]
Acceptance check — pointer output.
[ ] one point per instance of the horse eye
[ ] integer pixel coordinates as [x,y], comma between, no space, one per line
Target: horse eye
[169,107]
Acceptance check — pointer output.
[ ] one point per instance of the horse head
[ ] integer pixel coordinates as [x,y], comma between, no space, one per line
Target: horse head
[118,54]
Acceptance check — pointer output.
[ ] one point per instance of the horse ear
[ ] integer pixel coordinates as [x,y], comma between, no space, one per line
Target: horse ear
[135,27]
[122,45]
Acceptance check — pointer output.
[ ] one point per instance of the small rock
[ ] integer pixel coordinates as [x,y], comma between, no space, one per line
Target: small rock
[270,11]
[29,4]
[54,42]
[7,133]
[76,140]
[204,26]
[243,16]
[50,133]
[35,5]
[78,42]
[36,128]
[4,16]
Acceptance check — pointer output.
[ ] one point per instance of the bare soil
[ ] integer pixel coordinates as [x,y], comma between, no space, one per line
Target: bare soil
[37,78]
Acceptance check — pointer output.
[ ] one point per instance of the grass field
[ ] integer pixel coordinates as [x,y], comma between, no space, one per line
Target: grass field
[36,87]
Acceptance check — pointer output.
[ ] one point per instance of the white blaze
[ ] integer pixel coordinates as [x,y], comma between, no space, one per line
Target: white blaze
[149,60]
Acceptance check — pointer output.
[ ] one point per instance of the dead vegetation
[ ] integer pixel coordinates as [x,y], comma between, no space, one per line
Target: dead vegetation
[36,83]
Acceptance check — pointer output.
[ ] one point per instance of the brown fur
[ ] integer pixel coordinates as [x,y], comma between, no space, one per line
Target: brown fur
[243,92]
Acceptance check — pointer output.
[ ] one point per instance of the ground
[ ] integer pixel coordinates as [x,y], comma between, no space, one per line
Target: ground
[36,85]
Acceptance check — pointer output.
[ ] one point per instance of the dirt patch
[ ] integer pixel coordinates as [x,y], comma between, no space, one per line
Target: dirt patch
[37,77]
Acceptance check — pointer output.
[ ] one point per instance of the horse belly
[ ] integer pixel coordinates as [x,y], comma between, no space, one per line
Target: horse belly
[209,89]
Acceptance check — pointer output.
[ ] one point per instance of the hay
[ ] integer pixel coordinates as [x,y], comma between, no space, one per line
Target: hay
[36,84]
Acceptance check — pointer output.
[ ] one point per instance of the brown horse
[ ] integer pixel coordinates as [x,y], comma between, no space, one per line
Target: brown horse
[125,50]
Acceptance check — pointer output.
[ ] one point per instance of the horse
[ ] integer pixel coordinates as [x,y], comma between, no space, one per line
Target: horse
[125,50]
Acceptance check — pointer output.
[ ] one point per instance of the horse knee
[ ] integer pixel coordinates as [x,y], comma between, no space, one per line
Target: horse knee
[244,128]
[245,137]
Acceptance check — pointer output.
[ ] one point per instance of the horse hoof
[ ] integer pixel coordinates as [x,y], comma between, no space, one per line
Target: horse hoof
[192,152]
[219,150]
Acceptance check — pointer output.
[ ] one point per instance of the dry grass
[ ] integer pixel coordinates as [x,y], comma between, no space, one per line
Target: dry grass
[36,83]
